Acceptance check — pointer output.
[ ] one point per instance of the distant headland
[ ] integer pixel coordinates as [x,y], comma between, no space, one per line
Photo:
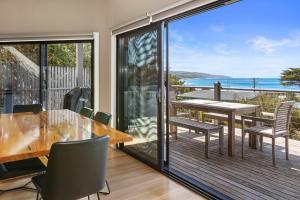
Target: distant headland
[189,75]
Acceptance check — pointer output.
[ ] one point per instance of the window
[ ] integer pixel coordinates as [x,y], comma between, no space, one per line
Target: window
[43,72]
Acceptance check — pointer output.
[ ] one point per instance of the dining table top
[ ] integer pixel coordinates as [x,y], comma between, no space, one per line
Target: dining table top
[215,105]
[27,135]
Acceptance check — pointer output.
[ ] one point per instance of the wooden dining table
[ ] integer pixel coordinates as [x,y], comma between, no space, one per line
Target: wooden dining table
[228,108]
[28,135]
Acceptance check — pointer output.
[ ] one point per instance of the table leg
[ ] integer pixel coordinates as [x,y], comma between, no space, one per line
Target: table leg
[231,134]
[173,129]
[252,137]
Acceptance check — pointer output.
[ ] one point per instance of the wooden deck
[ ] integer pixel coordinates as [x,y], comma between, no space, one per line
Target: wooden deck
[251,178]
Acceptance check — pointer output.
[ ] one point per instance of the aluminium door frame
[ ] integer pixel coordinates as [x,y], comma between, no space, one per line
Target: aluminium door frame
[159,96]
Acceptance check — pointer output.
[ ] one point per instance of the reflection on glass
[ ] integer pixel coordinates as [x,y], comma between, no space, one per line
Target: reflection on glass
[69,65]
[19,75]
[64,67]
[138,78]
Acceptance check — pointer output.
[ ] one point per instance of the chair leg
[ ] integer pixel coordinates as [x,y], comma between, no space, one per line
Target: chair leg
[287,147]
[261,141]
[273,151]
[221,141]
[108,189]
[206,144]
[88,197]
[250,140]
[37,195]
[175,133]
[243,139]
[98,196]
[190,117]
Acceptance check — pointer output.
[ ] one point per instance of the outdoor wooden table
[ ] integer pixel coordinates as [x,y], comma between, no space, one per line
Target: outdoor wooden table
[230,109]
[28,135]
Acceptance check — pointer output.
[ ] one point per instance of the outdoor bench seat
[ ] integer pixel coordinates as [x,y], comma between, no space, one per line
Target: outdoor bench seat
[224,117]
[203,127]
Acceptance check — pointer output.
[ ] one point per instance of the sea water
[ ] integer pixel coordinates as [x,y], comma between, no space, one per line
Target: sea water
[261,83]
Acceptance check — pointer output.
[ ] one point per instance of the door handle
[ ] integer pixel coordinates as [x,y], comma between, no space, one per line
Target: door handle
[158,95]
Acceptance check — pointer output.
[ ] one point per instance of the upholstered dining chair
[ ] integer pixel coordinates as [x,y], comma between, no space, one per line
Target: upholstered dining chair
[87,112]
[35,108]
[75,170]
[25,167]
[103,117]
[279,127]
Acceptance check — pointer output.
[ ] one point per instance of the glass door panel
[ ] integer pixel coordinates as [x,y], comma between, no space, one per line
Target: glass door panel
[67,66]
[139,93]
[44,72]
[19,75]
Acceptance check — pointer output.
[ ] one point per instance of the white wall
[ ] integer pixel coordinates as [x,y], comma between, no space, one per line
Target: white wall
[44,17]
[120,12]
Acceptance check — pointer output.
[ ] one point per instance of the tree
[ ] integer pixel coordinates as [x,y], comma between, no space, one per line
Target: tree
[175,80]
[31,51]
[290,76]
[63,54]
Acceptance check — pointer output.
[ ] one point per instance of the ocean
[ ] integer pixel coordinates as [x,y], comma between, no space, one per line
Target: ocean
[261,83]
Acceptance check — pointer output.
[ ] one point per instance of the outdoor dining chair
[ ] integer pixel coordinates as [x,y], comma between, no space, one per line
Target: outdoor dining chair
[279,127]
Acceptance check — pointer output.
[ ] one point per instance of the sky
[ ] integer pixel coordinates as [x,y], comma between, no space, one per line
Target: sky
[251,38]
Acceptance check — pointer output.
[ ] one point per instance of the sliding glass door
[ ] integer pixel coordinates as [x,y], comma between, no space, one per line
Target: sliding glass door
[43,72]
[140,93]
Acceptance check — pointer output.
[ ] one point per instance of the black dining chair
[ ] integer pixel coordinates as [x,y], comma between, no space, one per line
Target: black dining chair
[22,167]
[103,117]
[35,108]
[87,112]
[77,98]
[75,170]
[29,165]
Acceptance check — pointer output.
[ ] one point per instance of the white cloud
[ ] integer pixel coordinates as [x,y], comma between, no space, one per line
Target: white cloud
[269,46]
[176,37]
[237,60]
[217,28]
[237,64]
[223,49]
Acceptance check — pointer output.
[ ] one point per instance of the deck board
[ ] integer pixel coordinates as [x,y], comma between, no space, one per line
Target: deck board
[251,178]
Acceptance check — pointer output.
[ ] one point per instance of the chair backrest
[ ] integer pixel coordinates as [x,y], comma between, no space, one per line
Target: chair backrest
[35,108]
[87,112]
[71,99]
[76,169]
[77,98]
[283,116]
[103,117]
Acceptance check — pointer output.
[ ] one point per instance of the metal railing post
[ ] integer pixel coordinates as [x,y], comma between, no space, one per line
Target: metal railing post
[217,91]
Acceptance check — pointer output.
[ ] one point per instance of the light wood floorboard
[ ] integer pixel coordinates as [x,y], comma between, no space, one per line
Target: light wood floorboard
[128,178]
